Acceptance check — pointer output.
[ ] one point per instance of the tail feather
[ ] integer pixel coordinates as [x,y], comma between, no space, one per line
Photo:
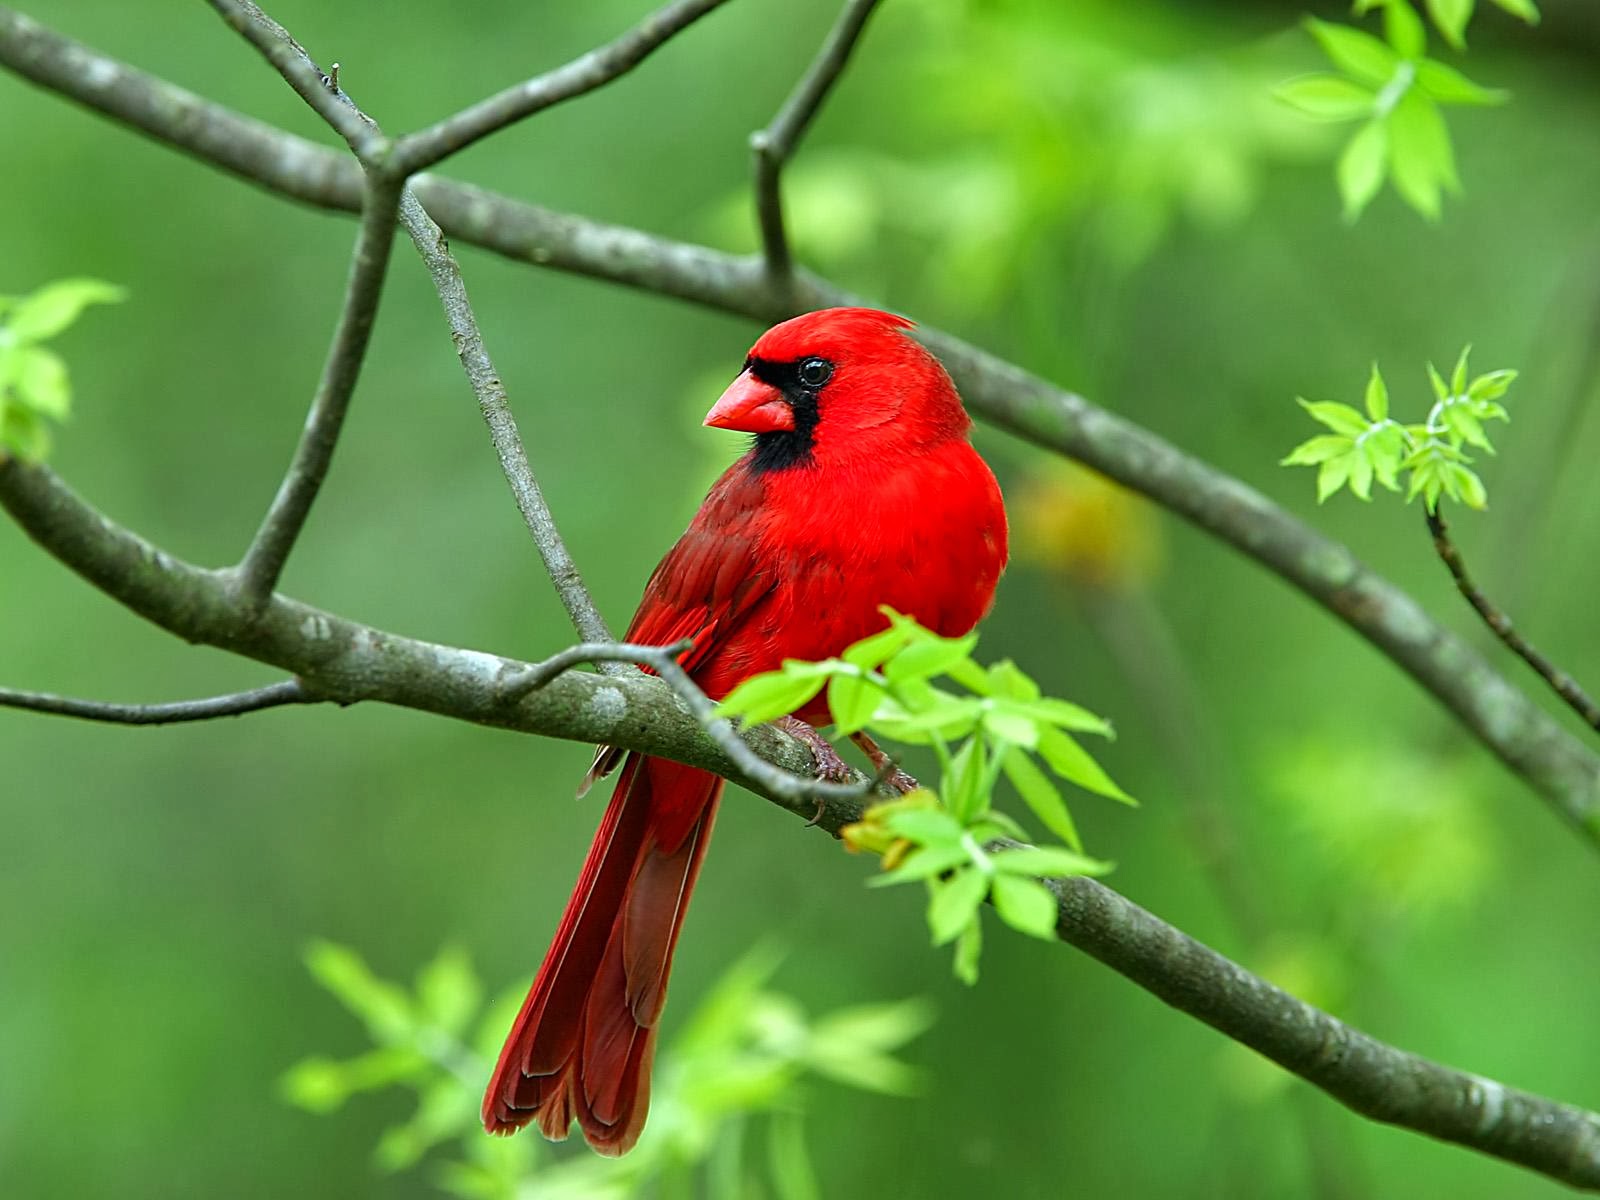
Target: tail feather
[582,1045]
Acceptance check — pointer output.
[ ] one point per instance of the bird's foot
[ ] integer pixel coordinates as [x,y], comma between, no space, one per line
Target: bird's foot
[830,766]
[889,773]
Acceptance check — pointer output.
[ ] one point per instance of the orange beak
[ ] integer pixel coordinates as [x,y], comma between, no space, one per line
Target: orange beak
[751,406]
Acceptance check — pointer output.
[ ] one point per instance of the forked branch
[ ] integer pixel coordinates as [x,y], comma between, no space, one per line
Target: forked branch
[771,147]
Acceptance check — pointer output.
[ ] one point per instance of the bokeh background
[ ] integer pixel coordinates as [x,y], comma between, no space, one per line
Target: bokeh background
[1105,193]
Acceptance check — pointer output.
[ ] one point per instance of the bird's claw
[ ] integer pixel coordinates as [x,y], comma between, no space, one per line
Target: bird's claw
[889,773]
[829,766]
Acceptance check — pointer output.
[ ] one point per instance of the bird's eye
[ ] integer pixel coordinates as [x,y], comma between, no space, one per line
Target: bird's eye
[814,372]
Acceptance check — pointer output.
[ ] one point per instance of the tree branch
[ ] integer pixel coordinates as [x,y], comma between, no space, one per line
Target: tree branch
[420,150]
[496,408]
[771,147]
[346,662]
[258,572]
[273,695]
[1560,682]
[296,67]
[474,356]
[1373,1078]
[775,782]
[1555,764]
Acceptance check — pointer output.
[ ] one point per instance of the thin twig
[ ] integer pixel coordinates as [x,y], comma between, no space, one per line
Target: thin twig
[259,570]
[421,150]
[771,147]
[297,68]
[1560,682]
[663,660]
[496,408]
[273,695]
[485,381]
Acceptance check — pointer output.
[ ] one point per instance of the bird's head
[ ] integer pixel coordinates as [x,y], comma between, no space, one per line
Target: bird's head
[838,384]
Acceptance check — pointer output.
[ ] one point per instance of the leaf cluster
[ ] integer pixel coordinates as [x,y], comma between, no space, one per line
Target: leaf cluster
[1396,92]
[745,1052]
[1371,446]
[34,386]
[998,725]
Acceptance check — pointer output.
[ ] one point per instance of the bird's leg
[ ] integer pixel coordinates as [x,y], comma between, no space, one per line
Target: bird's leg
[888,772]
[829,765]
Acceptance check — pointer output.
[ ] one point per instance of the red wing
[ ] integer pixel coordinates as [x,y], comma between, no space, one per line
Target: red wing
[704,587]
[712,577]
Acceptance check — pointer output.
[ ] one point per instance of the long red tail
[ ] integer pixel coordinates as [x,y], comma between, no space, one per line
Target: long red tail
[582,1045]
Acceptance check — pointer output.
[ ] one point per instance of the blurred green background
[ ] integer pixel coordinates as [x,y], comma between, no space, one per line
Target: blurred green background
[1105,193]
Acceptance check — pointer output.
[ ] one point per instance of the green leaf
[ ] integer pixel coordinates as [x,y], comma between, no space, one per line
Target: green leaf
[949,718]
[925,826]
[995,823]
[56,305]
[1458,377]
[1340,418]
[1463,425]
[870,652]
[1526,9]
[1008,680]
[793,1176]
[1377,398]
[868,1071]
[1491,386]
[1025,905]
[1420,155]
[1464,485]
[1066,715]
[970,676]
[852,699]
[1326,97]
[969,947]
[40,381]
[1361,474]
[763,698]
[882,1027]
[317,1085]
[925,863]
[1433,452]
[1075,764]
[1332,475]
[448,990]
[1040,795]
[382,1006]
[1010,722]
[23,433]
[1318,450]
[1451,17]
[1362,166]
[1384,449]
[1447,85]
[1046,861]
[964,785]
[1354,51]
[925,659]
[1404,29]
[954,903]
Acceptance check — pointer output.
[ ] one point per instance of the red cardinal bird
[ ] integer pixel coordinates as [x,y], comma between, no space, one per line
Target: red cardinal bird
[860,489]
